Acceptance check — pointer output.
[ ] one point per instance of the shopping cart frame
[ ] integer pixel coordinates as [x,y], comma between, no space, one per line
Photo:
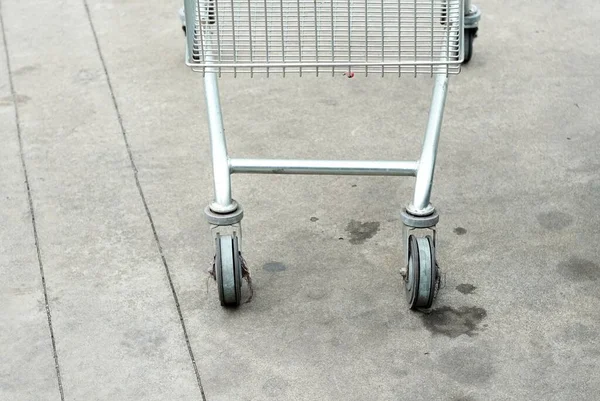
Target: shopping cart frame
[419,217]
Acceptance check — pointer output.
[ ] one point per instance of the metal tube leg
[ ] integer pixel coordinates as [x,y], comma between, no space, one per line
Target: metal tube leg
[220,162]
[467,6]
[420,205]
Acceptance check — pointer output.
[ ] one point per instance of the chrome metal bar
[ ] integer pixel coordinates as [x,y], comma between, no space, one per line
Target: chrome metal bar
[316,22]
[332,22]
[323,167]
[366,53]
[382,36]
[299,21]
[282,34]
[432,31]
[215,5]
[411,64]
[415,50]
[467,6]
[251,47]
[218,147]
[349,35]
[233,39]
[426,168]
[399,38]
[189,7]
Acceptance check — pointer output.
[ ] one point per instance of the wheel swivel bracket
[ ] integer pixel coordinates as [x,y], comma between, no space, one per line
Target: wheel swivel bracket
[224,219]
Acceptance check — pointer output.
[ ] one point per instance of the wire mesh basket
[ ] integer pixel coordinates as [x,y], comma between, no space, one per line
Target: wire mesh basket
[325,36]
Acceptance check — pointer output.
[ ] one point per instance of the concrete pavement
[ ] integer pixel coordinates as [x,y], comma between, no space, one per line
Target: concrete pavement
[106,240]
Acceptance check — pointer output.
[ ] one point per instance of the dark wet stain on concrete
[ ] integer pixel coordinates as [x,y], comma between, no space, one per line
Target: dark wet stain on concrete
[578,269]
[313,219]
[452,322]
[554,221]
[360,232]
[466,288]
[460,231]
[274,267]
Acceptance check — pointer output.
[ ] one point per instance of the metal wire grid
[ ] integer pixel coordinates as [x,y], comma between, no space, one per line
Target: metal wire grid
[326,36]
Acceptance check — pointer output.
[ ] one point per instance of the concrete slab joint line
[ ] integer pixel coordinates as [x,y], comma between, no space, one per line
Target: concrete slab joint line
[31,208]
[143,199]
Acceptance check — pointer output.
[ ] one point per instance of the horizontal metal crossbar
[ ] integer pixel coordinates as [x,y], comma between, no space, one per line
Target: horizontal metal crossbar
[324,167]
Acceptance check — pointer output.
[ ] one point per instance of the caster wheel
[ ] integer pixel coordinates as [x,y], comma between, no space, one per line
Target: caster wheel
[421,280]
[470,35]
[228,270]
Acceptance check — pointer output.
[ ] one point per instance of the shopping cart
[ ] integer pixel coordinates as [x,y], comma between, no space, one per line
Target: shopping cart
[327,37]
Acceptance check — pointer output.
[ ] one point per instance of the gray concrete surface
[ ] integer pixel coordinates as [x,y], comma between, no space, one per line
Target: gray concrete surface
[27,367]
[115,146]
